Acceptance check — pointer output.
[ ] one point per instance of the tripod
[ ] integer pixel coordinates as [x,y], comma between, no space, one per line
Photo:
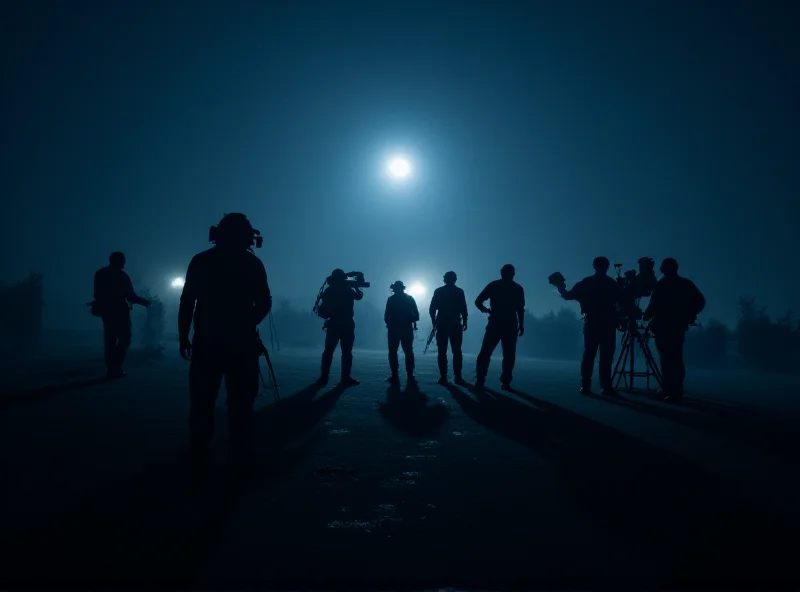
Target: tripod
[264,352]
[634,335]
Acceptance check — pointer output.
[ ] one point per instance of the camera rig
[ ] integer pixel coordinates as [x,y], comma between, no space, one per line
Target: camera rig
[636,333]
[354,279]
[635,286]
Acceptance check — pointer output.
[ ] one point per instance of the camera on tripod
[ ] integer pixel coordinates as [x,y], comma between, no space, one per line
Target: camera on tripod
[635,286]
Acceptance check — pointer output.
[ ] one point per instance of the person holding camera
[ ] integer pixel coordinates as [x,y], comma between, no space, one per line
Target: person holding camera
[449,313]
[337,308]
[401,316]
[674,305]
[227,295]
[506,323]
[599,297]
[113,299]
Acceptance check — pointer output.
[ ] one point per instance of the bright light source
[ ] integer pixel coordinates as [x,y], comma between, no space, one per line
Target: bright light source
[177,283]
[399,168]
[416,290]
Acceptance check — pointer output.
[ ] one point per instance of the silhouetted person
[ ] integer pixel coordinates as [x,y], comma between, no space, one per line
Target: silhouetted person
[337,308]
[674,306]
[113,299]
[506,323]
[599,297]
[448,312]
[226,291]
[401,316]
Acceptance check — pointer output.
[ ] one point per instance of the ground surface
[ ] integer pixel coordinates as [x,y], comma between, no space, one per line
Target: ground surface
[366,486]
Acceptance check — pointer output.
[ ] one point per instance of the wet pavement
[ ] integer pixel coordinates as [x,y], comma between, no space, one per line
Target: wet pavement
[426,487]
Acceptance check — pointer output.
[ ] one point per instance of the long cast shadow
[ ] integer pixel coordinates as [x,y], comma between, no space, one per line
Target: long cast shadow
[28,396]
[773,435]
[96,544]
[408,411]
[275,426]
[669,506]
[708,406]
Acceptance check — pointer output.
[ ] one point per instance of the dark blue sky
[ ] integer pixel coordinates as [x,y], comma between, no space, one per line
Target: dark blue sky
[542,134]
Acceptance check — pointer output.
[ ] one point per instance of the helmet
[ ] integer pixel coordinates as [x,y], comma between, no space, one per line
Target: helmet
[450,277]
[398,286]
[338,275]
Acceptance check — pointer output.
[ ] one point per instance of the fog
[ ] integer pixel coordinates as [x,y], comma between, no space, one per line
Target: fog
[537,134]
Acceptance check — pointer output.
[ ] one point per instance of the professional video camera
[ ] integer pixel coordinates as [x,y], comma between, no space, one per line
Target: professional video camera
[635,286]
[216,232]
[354,279]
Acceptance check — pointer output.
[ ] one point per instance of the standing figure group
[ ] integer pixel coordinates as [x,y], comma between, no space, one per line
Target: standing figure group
[226,296]
[448,312]
[675,303]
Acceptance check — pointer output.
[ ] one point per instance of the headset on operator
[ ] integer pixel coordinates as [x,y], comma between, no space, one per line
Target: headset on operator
[237,227]
[234,224]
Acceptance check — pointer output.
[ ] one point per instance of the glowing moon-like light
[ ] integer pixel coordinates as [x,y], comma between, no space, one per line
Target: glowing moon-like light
[416,290]
[399,168]
[177,282]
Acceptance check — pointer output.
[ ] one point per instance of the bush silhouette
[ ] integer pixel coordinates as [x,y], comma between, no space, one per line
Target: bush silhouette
[707,345]
[151,322]
[21,312]
[762,342]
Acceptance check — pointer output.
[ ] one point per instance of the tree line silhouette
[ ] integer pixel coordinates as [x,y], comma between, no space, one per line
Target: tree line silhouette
[758,340]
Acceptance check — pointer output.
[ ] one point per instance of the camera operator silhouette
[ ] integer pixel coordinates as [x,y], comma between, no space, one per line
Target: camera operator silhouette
[113,299]
[401,316]
[599,297]
[337,308]
[448,312]
[506,323]
[674,306]
[227,294]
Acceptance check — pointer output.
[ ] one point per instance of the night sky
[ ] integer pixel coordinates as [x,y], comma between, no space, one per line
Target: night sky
[541,134]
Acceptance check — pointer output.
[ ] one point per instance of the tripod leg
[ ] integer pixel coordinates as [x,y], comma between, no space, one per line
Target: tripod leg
[632,353]
[619,369]
[620,364]
[653,365]
[263,382]
[272,375]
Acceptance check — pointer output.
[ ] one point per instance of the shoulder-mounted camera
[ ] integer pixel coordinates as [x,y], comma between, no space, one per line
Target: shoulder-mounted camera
[355,279]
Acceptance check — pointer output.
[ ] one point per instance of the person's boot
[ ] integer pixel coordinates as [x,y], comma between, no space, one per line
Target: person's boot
[443,380]
[610,391]
[115,373]
[348,381]
[199,466]
[322,380]
[411,379]
[393,379]
[586,387]
[670,395]
[459,379]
